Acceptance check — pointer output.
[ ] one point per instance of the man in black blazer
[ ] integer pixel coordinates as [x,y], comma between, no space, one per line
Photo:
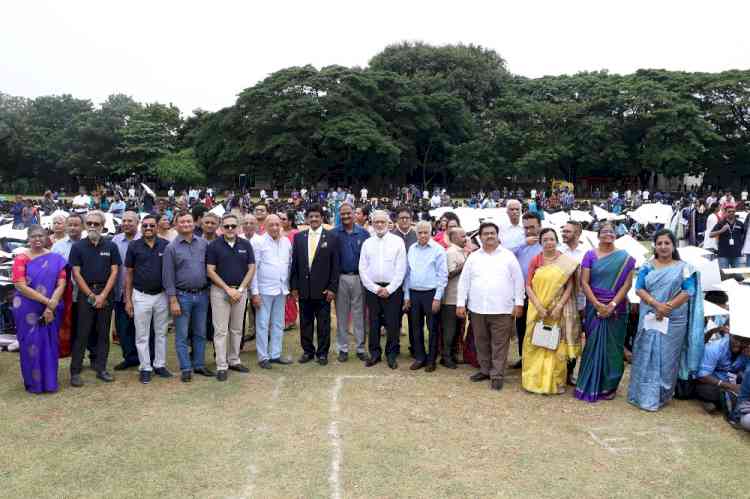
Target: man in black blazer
[314,280]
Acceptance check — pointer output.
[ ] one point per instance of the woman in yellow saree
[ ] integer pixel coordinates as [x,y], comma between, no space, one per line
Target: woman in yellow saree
[550,286]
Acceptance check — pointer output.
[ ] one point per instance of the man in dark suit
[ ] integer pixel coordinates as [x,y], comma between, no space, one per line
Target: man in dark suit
[314,280]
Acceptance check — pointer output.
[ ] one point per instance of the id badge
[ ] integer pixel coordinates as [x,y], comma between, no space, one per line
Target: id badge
[731,242]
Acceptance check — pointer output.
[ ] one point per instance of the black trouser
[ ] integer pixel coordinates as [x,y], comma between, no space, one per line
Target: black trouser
[318,313]
[390,308]
[421,312]
[708,393]
[450,323]
[521,327]
[96,322]
[91,344]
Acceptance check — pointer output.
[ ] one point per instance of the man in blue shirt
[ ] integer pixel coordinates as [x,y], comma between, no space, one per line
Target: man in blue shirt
[426,278]
[350,296]
[524,254]
[723,360]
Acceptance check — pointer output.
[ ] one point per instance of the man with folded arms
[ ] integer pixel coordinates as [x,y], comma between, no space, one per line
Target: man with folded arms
[492,287]
[145,299]
[231,266]
[95,261]
[382,267]
[426,278]
[184,277]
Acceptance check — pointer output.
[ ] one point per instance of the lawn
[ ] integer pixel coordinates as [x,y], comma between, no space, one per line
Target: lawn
[349,431]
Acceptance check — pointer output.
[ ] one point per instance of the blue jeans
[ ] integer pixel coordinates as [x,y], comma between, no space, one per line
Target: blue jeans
[731,262]
[193,311]
[269,321]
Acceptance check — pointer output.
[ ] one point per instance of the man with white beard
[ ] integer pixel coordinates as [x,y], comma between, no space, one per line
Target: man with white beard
[95,261]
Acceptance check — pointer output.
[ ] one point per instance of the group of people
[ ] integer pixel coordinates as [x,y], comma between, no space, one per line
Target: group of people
[567,306]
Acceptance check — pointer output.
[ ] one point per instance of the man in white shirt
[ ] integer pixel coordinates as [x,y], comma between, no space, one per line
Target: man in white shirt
[492,287]
[82,202]
[646,194]
[513,235]
[743,195]
[710,243]
[382,268]
[363,194]
[273,257]
[435,201]
[571,246]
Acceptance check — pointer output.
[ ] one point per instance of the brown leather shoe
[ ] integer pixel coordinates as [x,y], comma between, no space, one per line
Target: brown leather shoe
[416,366]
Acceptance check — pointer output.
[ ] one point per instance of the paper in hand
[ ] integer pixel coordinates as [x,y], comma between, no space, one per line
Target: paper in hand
[650,323]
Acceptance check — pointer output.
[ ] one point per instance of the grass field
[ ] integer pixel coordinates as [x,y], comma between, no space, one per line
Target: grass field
[348,431]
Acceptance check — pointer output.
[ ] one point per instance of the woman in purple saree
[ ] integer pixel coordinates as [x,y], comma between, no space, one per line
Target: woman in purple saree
[607,274]
[39,278]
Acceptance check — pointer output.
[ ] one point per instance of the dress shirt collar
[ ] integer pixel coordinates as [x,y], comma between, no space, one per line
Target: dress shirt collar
[317,231]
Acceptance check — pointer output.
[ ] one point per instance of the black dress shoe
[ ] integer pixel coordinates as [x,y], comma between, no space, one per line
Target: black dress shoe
[429,368]
[323,361]
[305,358]
[343,356]
[362,356]
[221,375]
[392,363]
[204,371]
[449,363]
[105,376]
[124,365]
[76,380]
[239,368]
[162,372]
[371,362]
[186,376]
[496,384]
[265,364]
[416,365]
[281,360]
[479,377]
[145,377]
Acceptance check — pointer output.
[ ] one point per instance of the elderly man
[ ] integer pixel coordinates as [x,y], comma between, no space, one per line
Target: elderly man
[350,296]
[455,259]
[382,267]
[230,266]
[425,281]
[95,261]
[145,298]
[273,258]
[123,321]
[186,283]
[492,287]
[513,235]
[314,281]
[532,224]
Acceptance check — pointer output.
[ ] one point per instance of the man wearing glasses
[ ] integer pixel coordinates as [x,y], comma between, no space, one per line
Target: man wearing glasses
[95,261]
[230,267]
[145,298]
[404,230]
[382,267]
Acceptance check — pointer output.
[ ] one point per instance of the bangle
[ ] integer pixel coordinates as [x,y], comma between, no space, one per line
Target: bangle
[613,303]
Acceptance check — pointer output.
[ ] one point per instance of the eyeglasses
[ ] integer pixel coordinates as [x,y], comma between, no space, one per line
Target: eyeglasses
[93,224]
[230,226]
[148,226]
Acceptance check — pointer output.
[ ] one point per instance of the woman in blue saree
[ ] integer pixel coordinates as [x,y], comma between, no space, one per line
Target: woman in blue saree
[606,277]
[669,290]
[39,277]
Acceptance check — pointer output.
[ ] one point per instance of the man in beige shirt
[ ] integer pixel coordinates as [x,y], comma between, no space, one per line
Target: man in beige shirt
[456,258]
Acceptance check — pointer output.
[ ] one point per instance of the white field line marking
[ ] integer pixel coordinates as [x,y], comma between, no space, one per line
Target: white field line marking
[335,438]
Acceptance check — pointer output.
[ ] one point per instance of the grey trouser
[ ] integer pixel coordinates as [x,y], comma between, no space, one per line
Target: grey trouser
[350,299]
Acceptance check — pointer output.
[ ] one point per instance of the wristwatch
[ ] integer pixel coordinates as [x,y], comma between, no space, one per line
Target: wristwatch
[241,290]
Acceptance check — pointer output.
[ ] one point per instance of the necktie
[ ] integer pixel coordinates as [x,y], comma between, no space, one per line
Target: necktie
[312,246]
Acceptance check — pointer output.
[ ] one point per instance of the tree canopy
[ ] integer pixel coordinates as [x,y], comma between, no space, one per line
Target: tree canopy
[449,115]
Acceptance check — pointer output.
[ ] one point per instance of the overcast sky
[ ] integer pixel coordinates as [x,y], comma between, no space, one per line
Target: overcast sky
[203,53]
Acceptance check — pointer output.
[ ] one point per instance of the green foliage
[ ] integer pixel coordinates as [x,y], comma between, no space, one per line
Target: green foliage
[179,168]
[451,115]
